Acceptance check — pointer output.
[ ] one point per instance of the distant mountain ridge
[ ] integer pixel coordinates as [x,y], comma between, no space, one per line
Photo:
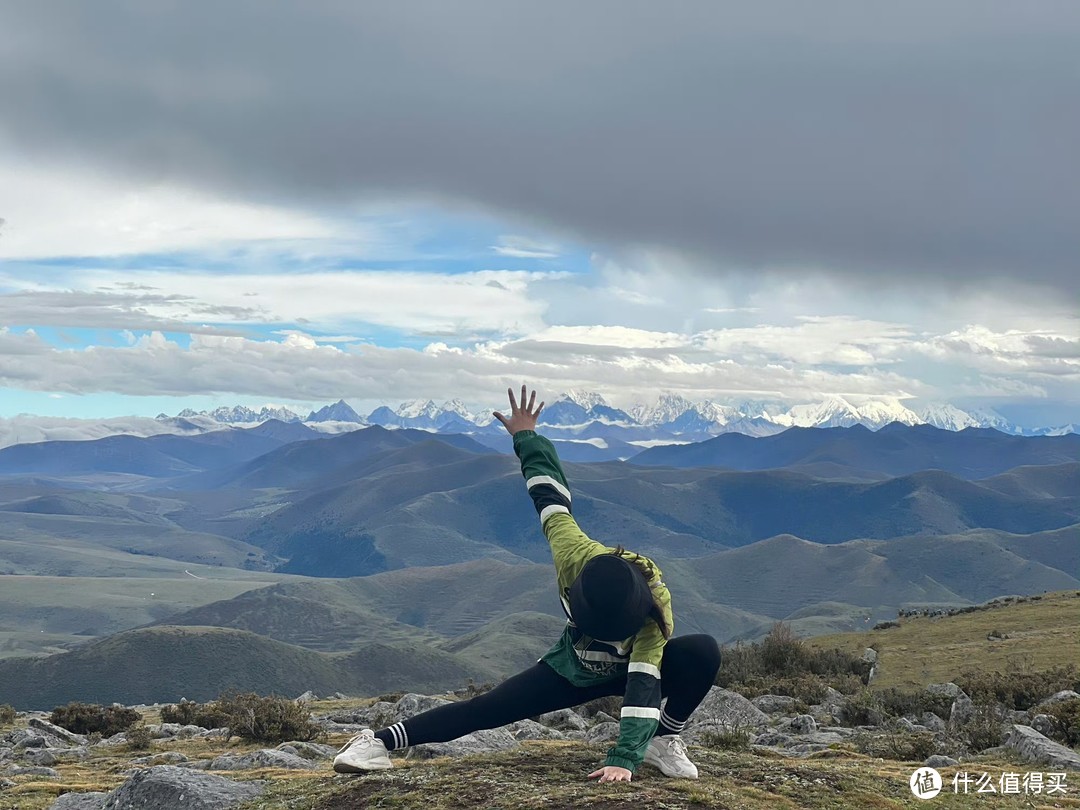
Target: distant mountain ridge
[670,416]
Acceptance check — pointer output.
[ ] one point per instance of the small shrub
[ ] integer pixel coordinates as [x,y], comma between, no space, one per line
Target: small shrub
[885,625]
[138,738]
[896,702]
[206,715]
[863,709]
[984,729]
[1019,688]
[900,746]
[7,714]
[728,738]
[267,719]
[1066,714]
[86,718]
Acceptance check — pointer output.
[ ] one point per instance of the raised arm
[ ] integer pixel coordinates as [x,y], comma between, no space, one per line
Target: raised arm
[548,488]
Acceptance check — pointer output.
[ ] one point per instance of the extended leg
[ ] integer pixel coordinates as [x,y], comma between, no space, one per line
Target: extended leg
[537,690]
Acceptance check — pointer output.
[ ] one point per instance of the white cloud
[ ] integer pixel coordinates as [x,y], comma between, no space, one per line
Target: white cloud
[521,247]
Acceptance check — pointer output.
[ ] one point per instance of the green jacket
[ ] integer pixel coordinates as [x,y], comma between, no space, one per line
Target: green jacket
[580,659]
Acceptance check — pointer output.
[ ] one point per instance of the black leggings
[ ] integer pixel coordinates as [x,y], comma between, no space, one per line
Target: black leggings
[687,672]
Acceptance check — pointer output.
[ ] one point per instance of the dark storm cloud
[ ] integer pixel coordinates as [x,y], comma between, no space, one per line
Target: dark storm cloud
[916,139]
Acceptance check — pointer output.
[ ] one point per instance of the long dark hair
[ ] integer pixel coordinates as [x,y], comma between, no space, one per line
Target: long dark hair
[647,570]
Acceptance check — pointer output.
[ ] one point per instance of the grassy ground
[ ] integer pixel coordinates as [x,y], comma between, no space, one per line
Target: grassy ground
[552,776]
[1041,634]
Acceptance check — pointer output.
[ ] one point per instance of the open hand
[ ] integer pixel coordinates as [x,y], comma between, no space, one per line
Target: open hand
[612,773]
[522,417]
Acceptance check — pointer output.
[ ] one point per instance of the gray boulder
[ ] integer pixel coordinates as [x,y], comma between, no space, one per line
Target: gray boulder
[602,732]
[803,724]
[479,742]
[308,750]
[79,801]
[167,787]
[307,697]
[963,709]
[1044,724]
[869,655]
[531,730]
[32,770]
[774,704]
[564,719]
[1035,747]
[932,722]
[604,717]
[412,704]
[1058,697]
[940,761]
[726,708]
[54,730]
[375,716]
[266,758]
[161,758]
[949,689]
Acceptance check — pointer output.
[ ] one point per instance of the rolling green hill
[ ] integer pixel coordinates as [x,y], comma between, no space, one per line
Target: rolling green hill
[166,663]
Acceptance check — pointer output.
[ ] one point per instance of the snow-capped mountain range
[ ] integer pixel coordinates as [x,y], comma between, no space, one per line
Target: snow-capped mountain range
[588,416]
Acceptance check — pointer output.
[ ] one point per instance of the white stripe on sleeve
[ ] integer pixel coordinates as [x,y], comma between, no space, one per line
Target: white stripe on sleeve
[547,479]
[555,508]
[640,711]
[648,669]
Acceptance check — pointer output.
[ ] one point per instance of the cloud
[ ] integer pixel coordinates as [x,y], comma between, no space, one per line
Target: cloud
[520,247]
[463,305]
[910,144]
[25,428]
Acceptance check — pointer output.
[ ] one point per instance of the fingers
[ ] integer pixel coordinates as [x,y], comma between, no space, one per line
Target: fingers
[539,409]
[523,397]
[500,417]
[596,773]
[513,402]
[532,399]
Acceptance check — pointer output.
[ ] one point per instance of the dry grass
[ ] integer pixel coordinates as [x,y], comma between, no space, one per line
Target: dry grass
[922,650]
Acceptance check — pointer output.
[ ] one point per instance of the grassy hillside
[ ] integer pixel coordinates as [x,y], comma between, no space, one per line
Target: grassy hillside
[166,663]
[45,614]
[1041,633]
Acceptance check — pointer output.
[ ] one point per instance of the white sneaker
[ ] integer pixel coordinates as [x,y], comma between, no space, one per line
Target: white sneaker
[668,753]
[364,752]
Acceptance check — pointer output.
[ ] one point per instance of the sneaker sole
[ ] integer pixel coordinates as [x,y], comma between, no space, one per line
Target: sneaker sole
[345,767]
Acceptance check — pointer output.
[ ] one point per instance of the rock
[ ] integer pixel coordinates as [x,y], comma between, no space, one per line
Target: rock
[940,761]
[803,724]
[1044,724]
[308,750]
[479,742]
[727,708]
[198,764]
[564,719]
[266,758]
[307,697]
[604,717]
[163,758]
[54,730]
[375,716]
[774,704]
[23,739]
[79,801]
[932,722]
[339,696]
[774,739]
[1035,747]
[963,709]
[531,730]
[33,770]
[602,732]
[1058,697]
[412,704]
[41,756]
[903,724]
[167,787]
[949,689]
[6,783]
[869,655]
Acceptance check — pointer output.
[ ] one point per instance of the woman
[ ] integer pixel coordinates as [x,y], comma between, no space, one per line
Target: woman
[616,641]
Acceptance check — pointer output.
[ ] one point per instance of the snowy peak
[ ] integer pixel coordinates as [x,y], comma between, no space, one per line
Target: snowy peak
[667,408]
[587,400]
[241,415]
[417,408]
[340,411]
[947,417]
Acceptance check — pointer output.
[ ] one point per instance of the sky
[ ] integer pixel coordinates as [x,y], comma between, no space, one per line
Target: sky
[266,202]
